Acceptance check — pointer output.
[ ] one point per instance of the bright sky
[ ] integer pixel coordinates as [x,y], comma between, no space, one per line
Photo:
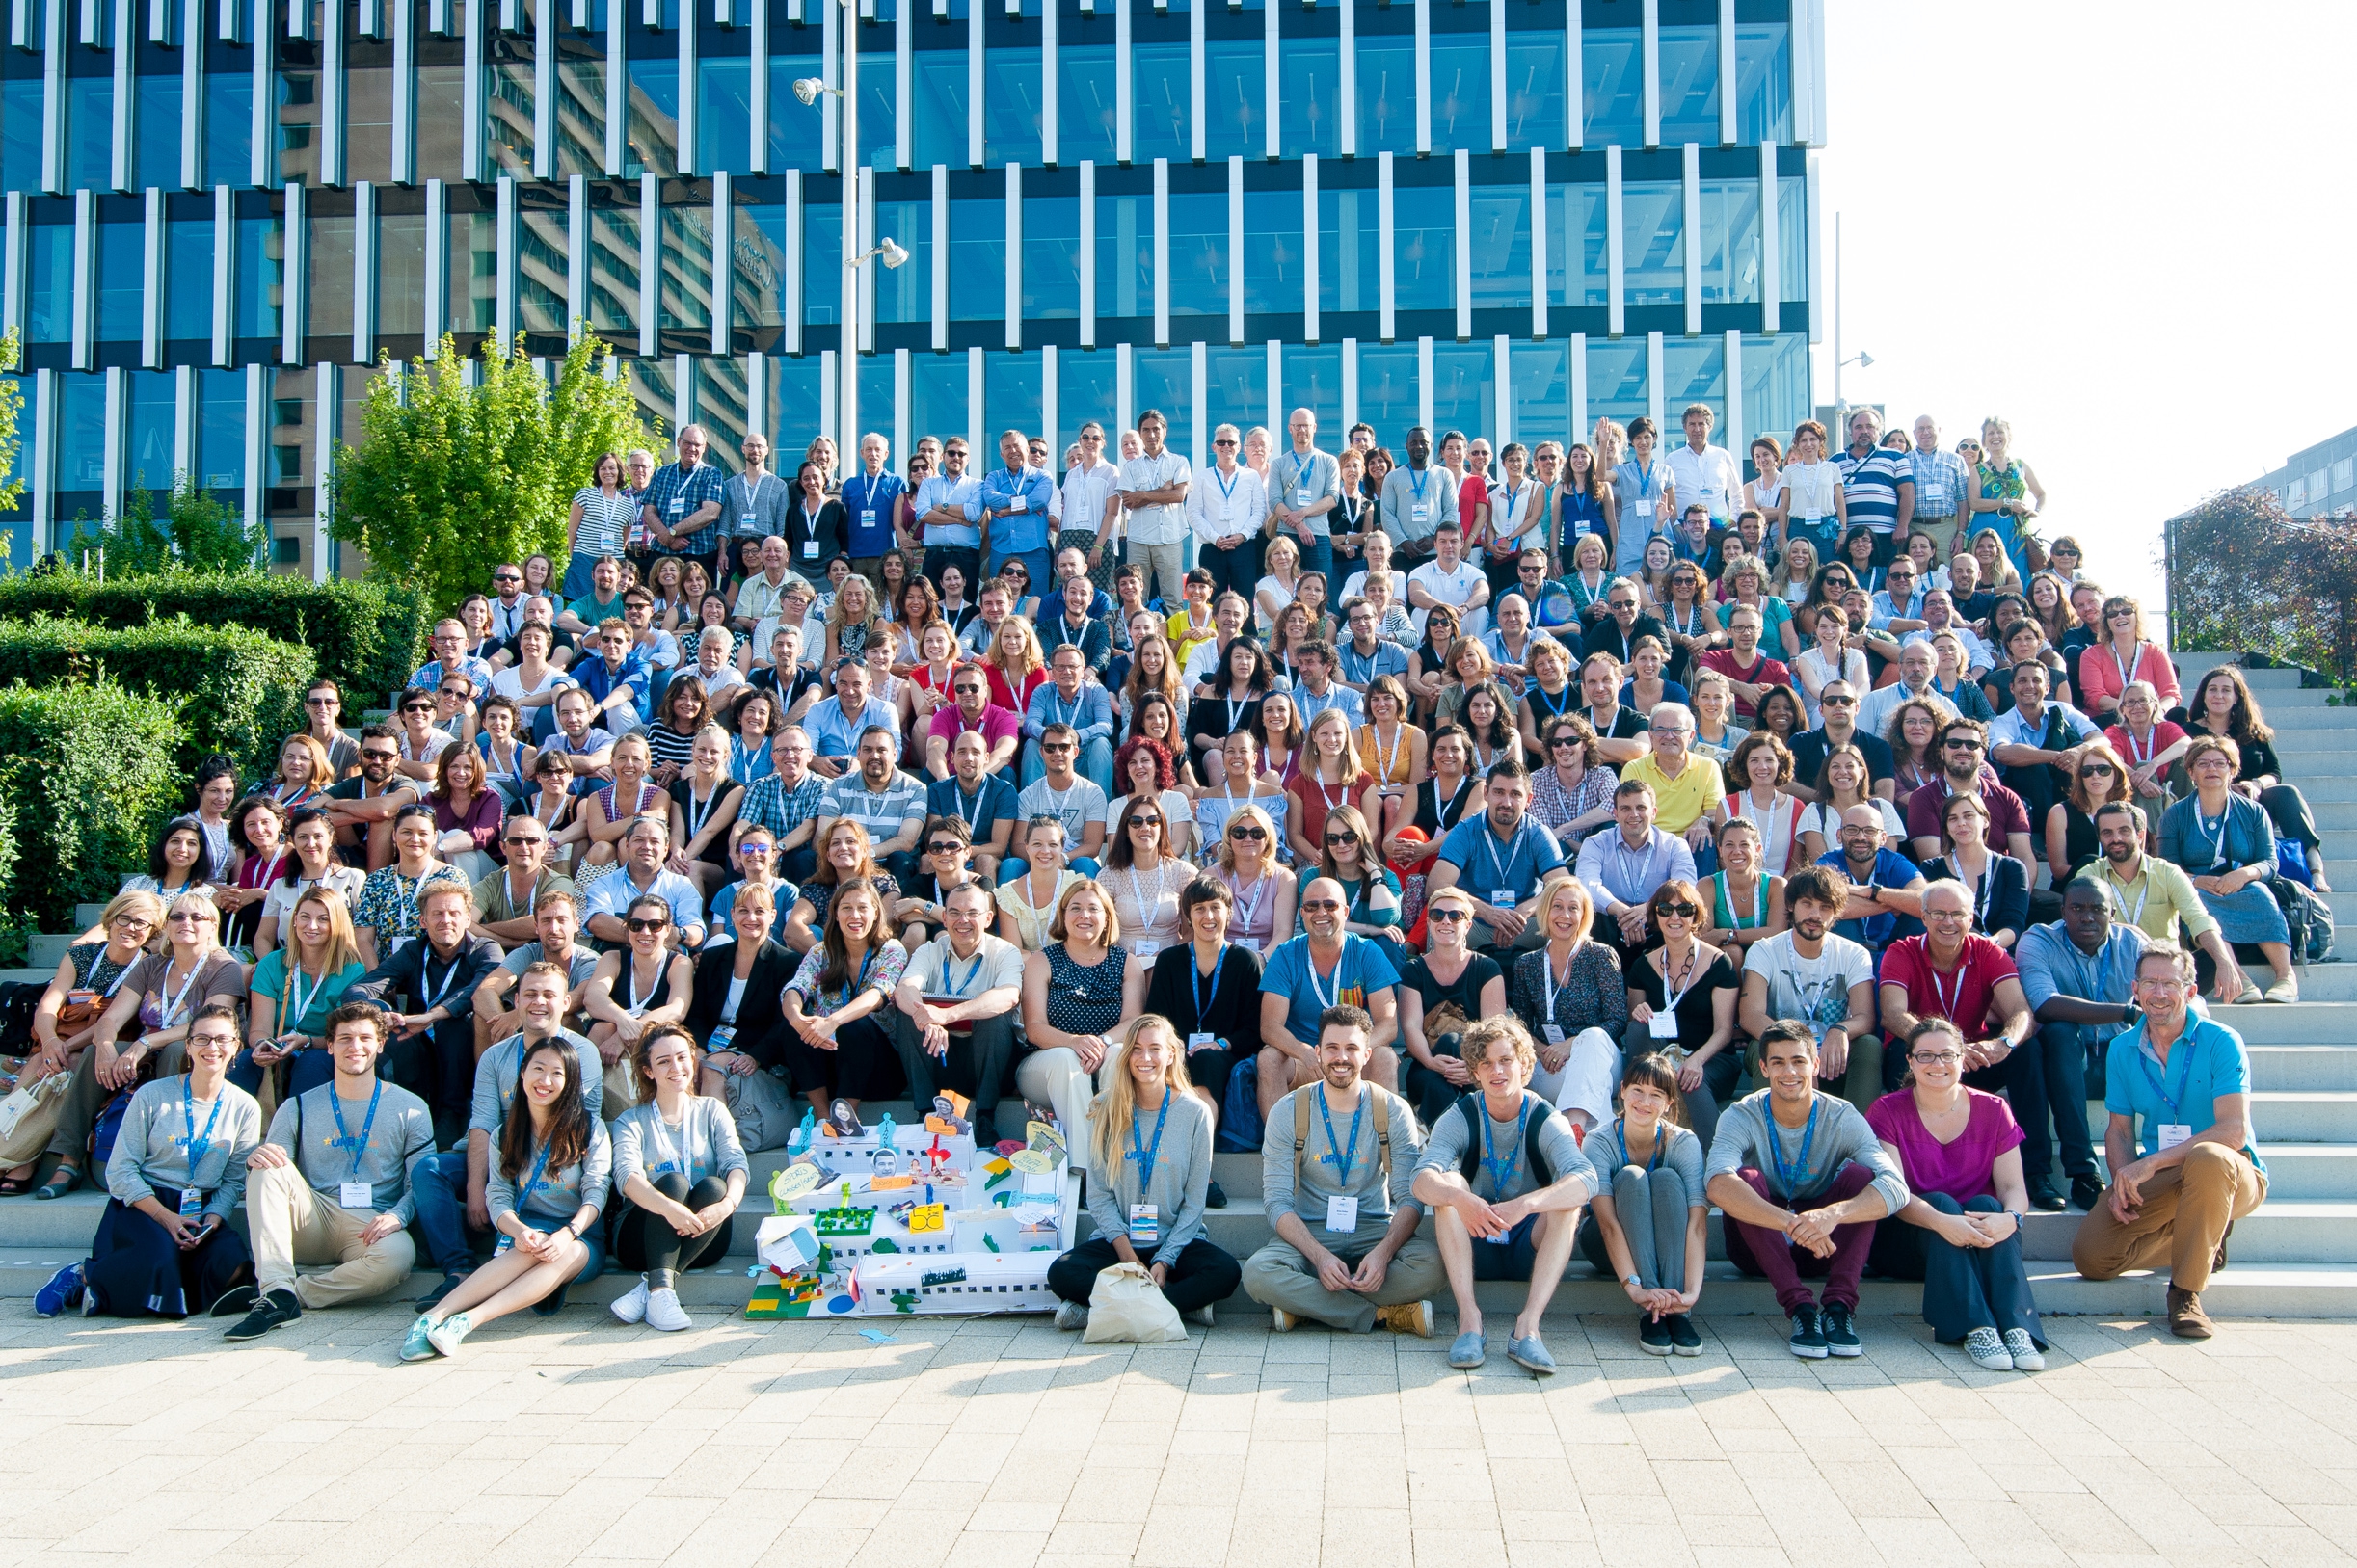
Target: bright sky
[2120,226]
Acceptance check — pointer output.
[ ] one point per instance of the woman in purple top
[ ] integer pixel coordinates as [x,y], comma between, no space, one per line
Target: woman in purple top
[1960,1231]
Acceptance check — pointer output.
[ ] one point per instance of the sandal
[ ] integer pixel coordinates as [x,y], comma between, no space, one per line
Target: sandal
[15,1186]
[61,1181]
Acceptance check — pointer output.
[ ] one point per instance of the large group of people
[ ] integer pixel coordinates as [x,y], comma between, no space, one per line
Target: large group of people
[1599,834]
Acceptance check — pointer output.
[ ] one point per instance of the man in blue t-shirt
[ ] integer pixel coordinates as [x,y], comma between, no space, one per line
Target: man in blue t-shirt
[872,501]
[1503,857]
[1327,967]
[2183,1163]
[1886,888]
[984,802]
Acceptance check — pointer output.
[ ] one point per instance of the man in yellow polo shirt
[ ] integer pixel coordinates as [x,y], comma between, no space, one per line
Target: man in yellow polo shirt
[2152,895]
[1688,795]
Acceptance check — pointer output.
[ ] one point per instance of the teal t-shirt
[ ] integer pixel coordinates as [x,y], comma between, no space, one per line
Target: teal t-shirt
[2208,1060]
[318,996]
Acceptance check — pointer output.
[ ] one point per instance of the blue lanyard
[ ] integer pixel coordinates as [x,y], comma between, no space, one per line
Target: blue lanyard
[533,1184]
[343,1134]
[197,1145]
[1513,853]
[1645,479]
[1417,479]
[1790,1175]
[1202,1003]
[1139,1152]
[1501,1172]
[1227,486]
[1343,1156]
[957,988]
[2160,1081]
[1661,1141]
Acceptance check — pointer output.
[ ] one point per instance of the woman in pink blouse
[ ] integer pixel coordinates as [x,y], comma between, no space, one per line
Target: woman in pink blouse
[2124,654]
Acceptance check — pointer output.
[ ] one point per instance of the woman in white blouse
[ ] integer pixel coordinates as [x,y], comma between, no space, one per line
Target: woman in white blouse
[1145,878]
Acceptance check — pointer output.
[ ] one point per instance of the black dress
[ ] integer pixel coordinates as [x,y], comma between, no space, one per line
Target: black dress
[1430,1092]
[682,791]
[1225,1006]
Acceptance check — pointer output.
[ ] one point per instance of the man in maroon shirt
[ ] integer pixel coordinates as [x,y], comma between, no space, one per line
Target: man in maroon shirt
[1747,669]
[1963,743]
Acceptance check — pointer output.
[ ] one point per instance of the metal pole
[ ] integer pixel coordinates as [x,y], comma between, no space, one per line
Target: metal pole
[1838,403]
[846,446]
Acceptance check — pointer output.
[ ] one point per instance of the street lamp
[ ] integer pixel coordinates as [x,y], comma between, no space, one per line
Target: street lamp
[809,90]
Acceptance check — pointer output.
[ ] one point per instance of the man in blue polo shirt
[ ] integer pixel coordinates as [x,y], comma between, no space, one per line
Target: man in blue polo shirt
[1503,857]
[2182,1156]
[1364,655]
[1328,966]
[984,802]
[871,498]
[1878,483]
[836,725]
[1886,890]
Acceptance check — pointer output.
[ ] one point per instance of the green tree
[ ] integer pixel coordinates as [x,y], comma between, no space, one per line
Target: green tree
[200,532]
[12,405]
[460,467]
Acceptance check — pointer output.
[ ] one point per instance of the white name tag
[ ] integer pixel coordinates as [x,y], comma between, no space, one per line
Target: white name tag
[1145,1225]
[2173,1133]
[1302,497]
[1021,503]
[1422,510]
[866,518]
[1201,1041]
[192,1203]
[1663,1025]
[1250,944]
[809,550]
[1504,898]
[679,506]
[356,1195]
[748,520]
[1342,1213]
[1554,1033]
[1145,948]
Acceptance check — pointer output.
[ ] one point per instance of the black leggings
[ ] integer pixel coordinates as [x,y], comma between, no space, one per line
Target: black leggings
[1199,1275]
[644,1243]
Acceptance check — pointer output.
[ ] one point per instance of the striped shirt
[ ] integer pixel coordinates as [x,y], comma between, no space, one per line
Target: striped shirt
[1872,485]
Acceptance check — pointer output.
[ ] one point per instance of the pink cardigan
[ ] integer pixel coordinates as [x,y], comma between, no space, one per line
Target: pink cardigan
[2098,674]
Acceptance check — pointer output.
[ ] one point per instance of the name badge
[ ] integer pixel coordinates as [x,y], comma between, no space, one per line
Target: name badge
[722,1034]
[1200,1040]
[809,550]
[748,522]
[1342,1213]
[1021,503]
[866,518]
[192,1203]
[1422,510]
[679,506]
[1554,1033]
[1304,496]
[356,1195]
[1145,1225]
[1504,898]
[1250,944]
[1145,948]
[2173,1133]
[1663,1025]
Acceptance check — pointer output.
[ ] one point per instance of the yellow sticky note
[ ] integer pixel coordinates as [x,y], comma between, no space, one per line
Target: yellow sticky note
[929,1218]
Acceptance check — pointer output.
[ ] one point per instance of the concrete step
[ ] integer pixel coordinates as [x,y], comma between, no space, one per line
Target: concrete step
[2308,1067]
[45,949]
[2309,1172]
[2306,1116]
[2318,982]
[2308,1022]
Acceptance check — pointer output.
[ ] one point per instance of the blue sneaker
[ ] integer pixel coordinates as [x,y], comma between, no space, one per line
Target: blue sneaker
[64,1289]
[416,1347]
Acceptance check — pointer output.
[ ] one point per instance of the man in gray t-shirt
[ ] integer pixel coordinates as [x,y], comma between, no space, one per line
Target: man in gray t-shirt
[1336,1165]
[1506,1196]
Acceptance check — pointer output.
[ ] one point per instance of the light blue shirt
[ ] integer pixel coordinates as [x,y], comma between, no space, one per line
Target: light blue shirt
[1310,705]
[1092,712]
[1028,488]
[2208,1060]
[833,734]
[953,494]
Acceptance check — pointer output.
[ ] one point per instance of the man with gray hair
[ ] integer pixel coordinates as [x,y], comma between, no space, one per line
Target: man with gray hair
[1689,794]
[682,504]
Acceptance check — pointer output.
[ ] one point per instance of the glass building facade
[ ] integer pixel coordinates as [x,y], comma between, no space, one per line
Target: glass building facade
[1509,216]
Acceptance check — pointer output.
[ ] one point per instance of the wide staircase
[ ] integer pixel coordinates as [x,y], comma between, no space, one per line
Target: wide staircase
[2296,1258]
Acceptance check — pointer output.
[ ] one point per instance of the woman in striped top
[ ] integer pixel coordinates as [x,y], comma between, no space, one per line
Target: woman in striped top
[603,511]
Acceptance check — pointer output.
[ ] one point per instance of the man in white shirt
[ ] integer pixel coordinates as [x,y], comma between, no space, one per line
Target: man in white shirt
[1449,578]
[1379,561]
[953,1017]
[1153,487]
[1702,472]
[1226,508]
[951,539]
[1091,502]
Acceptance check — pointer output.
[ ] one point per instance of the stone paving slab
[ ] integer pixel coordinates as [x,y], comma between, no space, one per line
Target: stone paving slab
[993,1441]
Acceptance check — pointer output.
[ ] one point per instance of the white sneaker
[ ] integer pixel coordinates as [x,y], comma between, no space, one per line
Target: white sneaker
[1202,1314]
[632,1308]
[664,1313]
[2023,1351]
[1071,1316]
[1987,1351]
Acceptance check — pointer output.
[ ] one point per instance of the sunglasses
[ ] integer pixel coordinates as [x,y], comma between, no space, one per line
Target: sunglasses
[319,702]
[506,576]
[520,840]
[1684,912]
[648,925]
[381,757]
[1057,749]
[2103,768]
[419,707]
[1836,700]
[947,846]
[1255,834]
[1146,822]
[1320,903]
[1960,745]
[1448,916]
[1342,838]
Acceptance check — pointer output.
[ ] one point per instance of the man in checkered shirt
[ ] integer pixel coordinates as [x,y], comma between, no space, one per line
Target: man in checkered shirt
[682,507]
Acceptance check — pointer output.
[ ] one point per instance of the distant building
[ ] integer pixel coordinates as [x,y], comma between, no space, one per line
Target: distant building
[2316,480]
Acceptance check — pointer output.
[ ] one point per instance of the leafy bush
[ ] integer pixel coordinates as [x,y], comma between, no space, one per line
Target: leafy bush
[462,465]
[237,690]
[368,636]
[88,773]
[200,532]
[2245,577]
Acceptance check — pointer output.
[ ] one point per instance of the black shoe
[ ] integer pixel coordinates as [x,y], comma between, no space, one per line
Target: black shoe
[434,1298]
[234,1301]
[2046,1200]
[1682,1336]
[1214,1198]
[2086,1192]
[1652,1334]
[274,1311]
[1808,1339]
[1841,1339]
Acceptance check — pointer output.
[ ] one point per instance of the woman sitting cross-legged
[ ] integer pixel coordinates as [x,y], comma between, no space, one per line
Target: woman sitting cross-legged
[1959,1150]
[1646,1225]
[165,1245]
[1149,1169]
[549,1183]
[678,1163]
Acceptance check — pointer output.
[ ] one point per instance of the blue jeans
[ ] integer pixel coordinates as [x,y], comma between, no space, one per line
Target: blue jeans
[1041,563]
[1318,556]
[306,1070]
[1096,763]
[438,1186]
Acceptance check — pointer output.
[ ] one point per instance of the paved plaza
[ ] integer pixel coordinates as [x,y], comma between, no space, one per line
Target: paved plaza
[1003,1442]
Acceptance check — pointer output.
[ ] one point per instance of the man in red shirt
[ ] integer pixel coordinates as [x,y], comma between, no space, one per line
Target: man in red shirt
[1949,973]
[1962,744]
[1747,669]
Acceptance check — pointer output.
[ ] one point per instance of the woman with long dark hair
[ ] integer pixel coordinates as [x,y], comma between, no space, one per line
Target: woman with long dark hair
[680,1172]
[2224,708]
[549,1183]
[832,1004]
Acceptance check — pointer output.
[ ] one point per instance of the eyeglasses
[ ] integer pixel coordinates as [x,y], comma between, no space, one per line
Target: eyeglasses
[178,915]
[1345,837]
[648,925]
[944,846]
[1684,912]
[1255,834]
[1448,916]
[1935,1058]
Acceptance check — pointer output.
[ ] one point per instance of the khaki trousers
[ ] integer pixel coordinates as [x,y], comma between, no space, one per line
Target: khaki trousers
[2184,1219]
[288,1224]
[1279,1276]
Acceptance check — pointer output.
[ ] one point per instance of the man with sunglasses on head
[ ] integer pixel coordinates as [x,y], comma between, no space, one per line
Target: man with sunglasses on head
[977,795]
[363,808]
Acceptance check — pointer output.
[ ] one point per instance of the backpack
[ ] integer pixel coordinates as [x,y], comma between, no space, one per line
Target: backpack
[2309,918]
[1534,1112]
[1240,1123]
[19,1000]
[1301,1098]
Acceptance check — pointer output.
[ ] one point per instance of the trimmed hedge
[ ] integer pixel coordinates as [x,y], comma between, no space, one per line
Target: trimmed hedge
[368,636]
[90,773]
[238,691]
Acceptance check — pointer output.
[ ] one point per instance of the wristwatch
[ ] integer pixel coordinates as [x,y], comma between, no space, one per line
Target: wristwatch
[1634,1280]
